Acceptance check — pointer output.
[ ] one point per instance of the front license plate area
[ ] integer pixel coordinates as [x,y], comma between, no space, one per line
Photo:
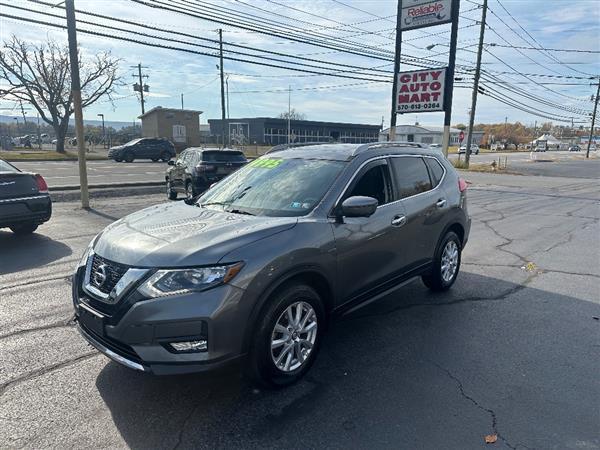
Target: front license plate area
[92,322]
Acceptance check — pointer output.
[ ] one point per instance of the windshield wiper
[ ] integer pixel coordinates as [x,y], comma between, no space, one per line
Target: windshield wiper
[239,211]
[202,205]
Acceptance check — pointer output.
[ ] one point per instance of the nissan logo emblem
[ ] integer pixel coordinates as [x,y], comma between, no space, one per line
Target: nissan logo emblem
[99,275]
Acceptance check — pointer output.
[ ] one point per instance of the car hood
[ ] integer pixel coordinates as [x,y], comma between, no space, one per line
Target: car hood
[181,235]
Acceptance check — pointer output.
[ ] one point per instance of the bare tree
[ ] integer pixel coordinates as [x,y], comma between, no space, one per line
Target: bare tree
[41,75]
[294,115]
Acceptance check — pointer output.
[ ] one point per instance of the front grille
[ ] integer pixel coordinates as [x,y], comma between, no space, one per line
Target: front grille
[113,271]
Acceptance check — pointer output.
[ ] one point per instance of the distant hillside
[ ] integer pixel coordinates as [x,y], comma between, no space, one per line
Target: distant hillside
[109,123]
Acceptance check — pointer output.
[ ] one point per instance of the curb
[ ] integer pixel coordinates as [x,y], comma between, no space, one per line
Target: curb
[111,191]
[76,187]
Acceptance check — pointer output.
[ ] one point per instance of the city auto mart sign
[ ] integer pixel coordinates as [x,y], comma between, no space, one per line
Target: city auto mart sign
[421,91]
[425,13]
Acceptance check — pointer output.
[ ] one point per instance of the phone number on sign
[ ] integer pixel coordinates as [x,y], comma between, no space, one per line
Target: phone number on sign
[420,106]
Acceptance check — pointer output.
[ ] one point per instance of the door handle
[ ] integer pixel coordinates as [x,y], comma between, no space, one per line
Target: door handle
[398,221]
[441,203]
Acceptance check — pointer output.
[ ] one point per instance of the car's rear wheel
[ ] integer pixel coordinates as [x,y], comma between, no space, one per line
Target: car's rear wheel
[288,336]
[118,159]
[129,157]
[445,265]
[171,194]
[154,159]
[165,156]
[24,228]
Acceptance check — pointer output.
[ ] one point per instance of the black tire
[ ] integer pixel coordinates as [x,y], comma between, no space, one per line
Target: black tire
[435,280]
[165,156]
[128,157]
[154,159]
[171,194]
[261,365]
[118,160]
[25,228]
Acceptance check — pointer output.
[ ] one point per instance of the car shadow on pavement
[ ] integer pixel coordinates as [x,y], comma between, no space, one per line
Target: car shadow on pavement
[19,253]
[415,369]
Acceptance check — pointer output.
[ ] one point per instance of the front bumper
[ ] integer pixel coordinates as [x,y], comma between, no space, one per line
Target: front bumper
[137,334]
[34,208]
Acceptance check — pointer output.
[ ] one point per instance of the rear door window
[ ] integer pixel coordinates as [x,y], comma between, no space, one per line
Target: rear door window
[436,171]
[411,176]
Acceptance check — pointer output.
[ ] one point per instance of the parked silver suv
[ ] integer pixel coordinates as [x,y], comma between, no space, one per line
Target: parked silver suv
[259,264]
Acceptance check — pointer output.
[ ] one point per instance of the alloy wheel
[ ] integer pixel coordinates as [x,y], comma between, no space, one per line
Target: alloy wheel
[293,336]
[449,261]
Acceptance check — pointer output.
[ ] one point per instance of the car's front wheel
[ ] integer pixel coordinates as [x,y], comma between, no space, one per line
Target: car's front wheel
[445,265]
[165,156]
[24,228]
[288,336]
[171,194]
[129,157]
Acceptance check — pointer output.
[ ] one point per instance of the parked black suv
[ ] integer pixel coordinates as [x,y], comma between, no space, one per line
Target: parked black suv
[197,168]
[143,148]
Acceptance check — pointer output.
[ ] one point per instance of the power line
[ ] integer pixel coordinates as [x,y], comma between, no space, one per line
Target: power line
[568,50]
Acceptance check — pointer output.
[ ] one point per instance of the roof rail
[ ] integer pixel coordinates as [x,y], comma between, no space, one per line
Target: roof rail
[281,147]
[401,144]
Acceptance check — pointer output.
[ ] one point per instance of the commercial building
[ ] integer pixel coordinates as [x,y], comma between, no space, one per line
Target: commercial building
[273,131]
[180,126]
[427,134]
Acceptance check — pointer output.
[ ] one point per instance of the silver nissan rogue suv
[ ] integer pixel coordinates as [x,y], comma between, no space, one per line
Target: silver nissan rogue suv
[256,266]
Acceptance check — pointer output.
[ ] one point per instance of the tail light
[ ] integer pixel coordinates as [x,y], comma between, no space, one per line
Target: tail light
[205,167]
[41,184]
[462,185]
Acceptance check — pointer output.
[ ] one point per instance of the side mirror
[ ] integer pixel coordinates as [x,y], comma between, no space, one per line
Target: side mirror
[359,206]
[171,162]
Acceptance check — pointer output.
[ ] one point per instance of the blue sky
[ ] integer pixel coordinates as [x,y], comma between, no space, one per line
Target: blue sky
[553,23]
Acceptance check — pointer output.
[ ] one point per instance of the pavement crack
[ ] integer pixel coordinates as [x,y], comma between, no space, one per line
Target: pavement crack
[44,370]
[184,426]
[50,326]
[66,277]
[468,397]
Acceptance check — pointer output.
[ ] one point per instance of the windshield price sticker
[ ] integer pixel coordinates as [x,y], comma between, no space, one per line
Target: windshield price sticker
[421,91]
[267,163]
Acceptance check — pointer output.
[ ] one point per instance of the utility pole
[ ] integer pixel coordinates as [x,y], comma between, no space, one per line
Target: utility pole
[393,115]
[76,92]
[587,153]
[181,101]
[141,87]
[476,85]
[222,86]
[23,114]
[39,136]
[289,133]
[449,88]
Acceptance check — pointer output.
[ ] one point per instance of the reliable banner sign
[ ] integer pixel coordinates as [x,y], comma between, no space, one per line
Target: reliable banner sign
[421,91]
[425,13]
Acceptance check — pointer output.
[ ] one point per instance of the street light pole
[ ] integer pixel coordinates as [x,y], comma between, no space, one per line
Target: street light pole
[475,85]
[103,132]
[76,91]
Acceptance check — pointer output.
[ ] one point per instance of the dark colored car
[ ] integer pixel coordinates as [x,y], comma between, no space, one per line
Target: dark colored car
[143,148]
[24,199]
[255,268]
[197,169]
[574,148]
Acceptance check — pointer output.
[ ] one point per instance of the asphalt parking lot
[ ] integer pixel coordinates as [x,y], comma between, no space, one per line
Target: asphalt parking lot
[511,350]
[65,173]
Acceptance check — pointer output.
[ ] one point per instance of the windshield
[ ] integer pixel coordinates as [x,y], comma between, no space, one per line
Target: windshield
[274,187]
[134,141]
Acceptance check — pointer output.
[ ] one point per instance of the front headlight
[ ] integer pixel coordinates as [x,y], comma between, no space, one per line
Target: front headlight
[183,281]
